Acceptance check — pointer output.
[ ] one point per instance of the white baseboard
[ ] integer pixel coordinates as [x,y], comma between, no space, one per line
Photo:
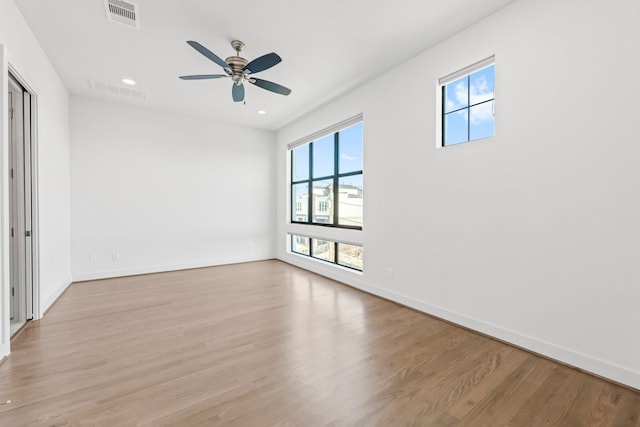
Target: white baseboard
[620,374]
[4,350]
[82,277]
[53,297]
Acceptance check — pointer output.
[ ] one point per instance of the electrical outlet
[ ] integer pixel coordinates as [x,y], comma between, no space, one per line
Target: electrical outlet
[93,258]
[389,273]
[115,256]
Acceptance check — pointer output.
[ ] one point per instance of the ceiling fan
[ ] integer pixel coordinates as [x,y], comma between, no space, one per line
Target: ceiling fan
[240,70]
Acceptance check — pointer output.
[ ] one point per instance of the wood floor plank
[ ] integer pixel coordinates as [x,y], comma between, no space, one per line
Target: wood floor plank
[268,344]
[604,407]
[496,399]
[626,413]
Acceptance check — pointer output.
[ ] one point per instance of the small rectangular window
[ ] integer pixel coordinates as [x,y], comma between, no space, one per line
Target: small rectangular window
[350,256]
[344,254]
[467,101]
[300,245]
[323,249]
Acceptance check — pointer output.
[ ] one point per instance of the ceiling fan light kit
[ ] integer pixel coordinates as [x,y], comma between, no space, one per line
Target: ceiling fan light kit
[240,70]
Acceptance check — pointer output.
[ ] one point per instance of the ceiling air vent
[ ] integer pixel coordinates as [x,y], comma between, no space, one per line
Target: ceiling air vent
[122,12]
[117,91]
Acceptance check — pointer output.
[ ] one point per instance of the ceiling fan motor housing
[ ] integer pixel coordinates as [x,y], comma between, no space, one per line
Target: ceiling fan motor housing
[236,63]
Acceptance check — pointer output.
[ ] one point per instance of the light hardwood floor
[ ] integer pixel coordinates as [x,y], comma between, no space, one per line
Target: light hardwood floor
[264,344]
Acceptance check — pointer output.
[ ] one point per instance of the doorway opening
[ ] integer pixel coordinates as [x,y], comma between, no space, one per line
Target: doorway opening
[21,181]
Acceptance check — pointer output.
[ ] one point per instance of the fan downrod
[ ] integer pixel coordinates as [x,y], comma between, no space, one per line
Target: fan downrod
[237,45]
[237,63]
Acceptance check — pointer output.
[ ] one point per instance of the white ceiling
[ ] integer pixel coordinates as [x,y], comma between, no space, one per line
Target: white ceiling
[327,47]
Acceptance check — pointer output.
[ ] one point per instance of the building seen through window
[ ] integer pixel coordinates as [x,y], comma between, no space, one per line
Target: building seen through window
[318,169]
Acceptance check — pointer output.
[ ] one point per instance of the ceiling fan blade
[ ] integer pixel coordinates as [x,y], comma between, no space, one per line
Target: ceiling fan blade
[206,52]
[270,86]
[203,76]
[263,63]
[237,92]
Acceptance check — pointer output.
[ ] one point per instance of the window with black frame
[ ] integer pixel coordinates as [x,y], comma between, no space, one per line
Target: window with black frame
[326,180]
[468,99]
[343,254]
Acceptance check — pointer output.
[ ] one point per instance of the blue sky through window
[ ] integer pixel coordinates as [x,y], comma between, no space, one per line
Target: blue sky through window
[314,197]
[301,163]
[468,115]
[350,155]
[351,149]
[323,159]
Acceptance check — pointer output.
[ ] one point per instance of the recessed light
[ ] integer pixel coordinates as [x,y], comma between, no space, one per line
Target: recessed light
[128,81]
[262,112]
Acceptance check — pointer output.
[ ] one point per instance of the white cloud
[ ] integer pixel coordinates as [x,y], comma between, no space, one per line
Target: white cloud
[459,97]
[478,92]
[481,113]
[344,156]
[461,93]
[464,113]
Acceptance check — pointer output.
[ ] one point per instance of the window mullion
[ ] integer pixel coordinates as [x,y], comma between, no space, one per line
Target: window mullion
[293,202]
[469,107]
[310,187]
[346,174]
[336,158]
[444,115]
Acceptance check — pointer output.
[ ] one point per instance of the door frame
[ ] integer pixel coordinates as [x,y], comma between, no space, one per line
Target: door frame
[32,133]
[5,231]
[20,204]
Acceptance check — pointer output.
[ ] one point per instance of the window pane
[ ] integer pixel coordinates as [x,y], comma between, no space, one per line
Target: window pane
[323,158]
[350,200]
[456,127]
[300,159]
[323,249]
[347,255]
[317,169]
[299,202]
[456,95]
[481,86]
[482,121]
[323,201]
[350,146]
[300,244]
[350,256]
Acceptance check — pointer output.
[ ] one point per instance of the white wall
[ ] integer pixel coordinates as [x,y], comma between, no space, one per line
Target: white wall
[166,191]
[24,54]
[531,236]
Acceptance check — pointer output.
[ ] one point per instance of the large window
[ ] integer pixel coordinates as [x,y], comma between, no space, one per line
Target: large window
[468,99]
[326,180]
[344,254]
